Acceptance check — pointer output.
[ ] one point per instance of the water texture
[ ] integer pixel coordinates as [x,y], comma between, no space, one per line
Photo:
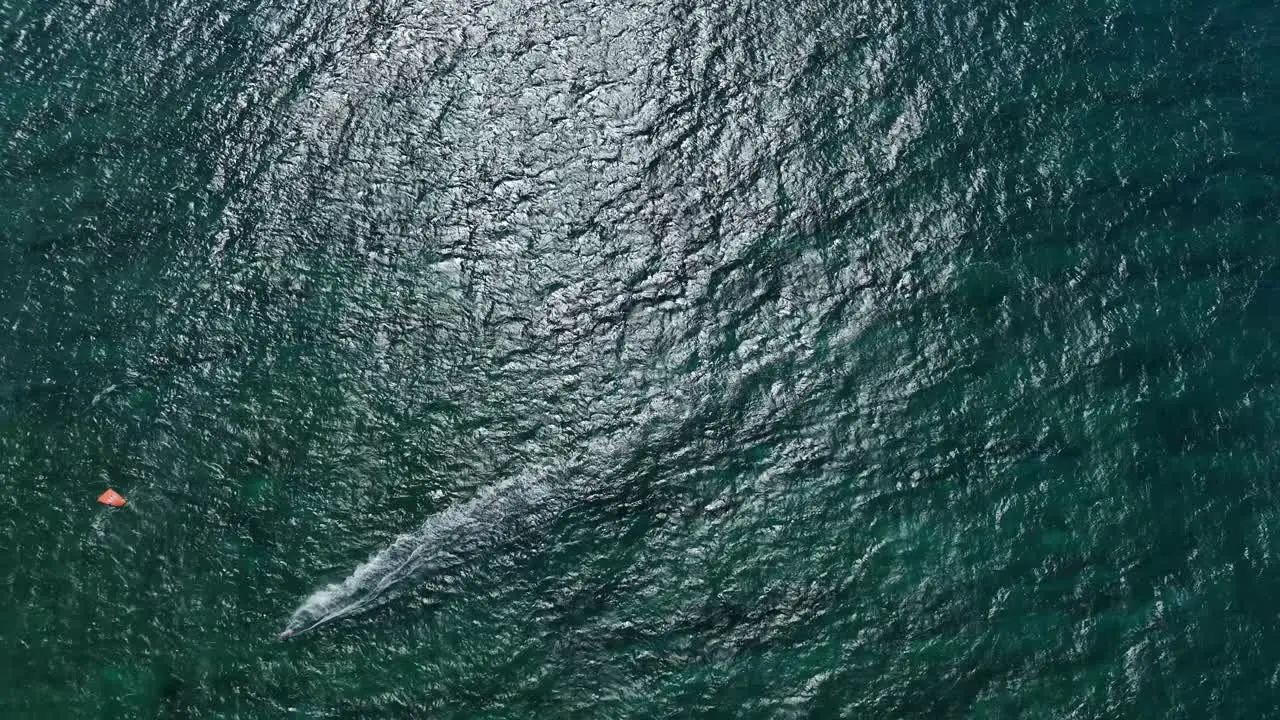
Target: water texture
[639,359]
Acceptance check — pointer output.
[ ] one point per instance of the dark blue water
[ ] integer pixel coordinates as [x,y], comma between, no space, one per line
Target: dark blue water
[639,359]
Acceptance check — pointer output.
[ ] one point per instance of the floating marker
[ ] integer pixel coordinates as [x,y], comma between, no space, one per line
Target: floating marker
[112,498]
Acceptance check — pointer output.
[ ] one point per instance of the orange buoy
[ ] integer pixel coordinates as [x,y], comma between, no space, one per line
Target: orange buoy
[112,498]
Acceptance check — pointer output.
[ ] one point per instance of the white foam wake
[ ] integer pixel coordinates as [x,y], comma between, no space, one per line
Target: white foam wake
[445,540]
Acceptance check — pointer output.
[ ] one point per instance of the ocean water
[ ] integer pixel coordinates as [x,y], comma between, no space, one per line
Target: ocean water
[640,359]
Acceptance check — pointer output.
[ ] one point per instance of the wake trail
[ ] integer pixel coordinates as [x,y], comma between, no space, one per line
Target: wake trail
[446,540]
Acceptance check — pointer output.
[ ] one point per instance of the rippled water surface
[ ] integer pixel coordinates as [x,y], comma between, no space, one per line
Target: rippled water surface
[639,359]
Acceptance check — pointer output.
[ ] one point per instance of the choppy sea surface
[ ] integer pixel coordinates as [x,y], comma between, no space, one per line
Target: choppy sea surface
[640,359]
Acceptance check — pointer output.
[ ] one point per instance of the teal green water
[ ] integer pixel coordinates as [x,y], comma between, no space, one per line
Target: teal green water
[639,359]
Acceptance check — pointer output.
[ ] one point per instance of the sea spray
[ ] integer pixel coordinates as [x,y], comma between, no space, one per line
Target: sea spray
[446,540]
